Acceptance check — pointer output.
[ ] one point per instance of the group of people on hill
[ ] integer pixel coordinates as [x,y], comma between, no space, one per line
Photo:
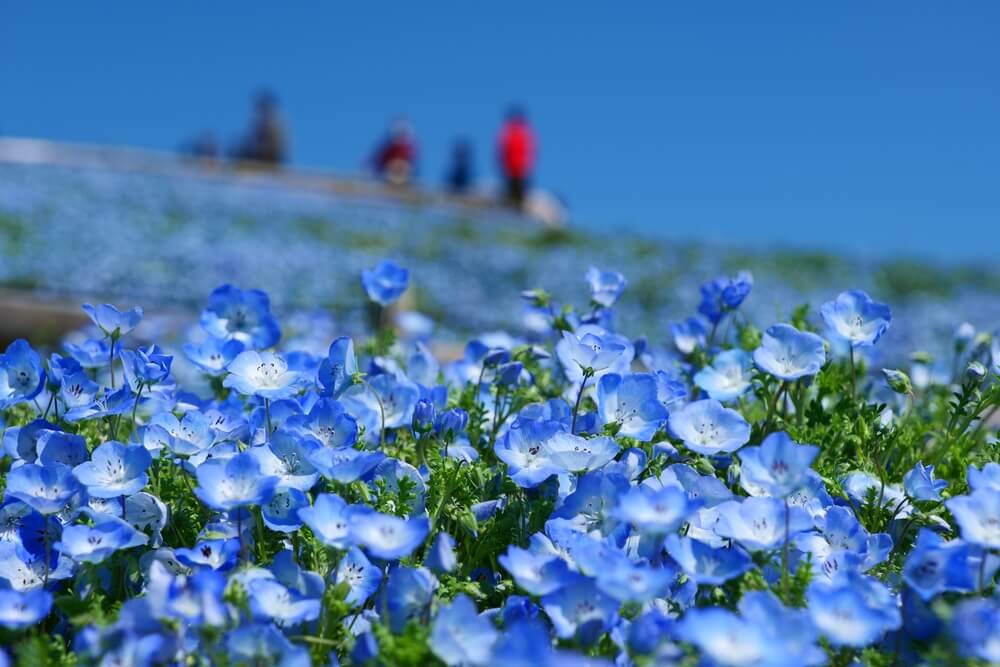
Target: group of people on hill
[395,158]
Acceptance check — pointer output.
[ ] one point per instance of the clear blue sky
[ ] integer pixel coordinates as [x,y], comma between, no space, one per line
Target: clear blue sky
[872,126]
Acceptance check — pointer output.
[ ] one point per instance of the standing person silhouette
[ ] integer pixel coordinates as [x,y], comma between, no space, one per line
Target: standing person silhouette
[516,150]
[267,141]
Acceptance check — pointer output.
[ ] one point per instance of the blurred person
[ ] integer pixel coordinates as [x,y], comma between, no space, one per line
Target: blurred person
[204,147]
[395,159]
[516,154]
[460,174]
[266,141]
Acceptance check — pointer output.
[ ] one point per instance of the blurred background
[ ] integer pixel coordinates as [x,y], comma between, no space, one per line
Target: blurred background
[151,151]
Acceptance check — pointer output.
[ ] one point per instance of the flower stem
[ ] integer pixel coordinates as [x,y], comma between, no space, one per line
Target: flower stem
[267,417]
[587,374]
[854,381]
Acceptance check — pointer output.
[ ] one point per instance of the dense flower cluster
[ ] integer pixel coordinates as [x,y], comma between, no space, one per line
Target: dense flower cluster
[737,497]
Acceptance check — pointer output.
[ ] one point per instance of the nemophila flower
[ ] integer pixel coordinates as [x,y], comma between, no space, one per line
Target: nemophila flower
[281,512]
[790,631]
[212,355]
[263,644]
[723,295]
[145,366]
[460,636]
[385,536]
[47,489]
[336,372]
[22,375]
[94,544]
[22,570]
[977,516]
[605,286]
[245,316]
[779,465]
[575,454]
[186,436]
[328,422]
[329,519]
[20,610]
[759,524]
[391,475]
[632,402]
[934,565]
[974,626]
[724,637]
[524,451]
[789,354]
[262,374]
[451,423]
[214,554]
[860,486]
[345,465]
[706,564]
[628,581]
[115,470]
[111,321]
[92,353]
[921,485]
[78,390]
[853,609]
[408,595]
[986,478]
[708,428]
[108,404]
[689,335]
[856,319]
[441,556]
[537,573]
[361,577]
[580,610]
[385,282]
[59,447]
[590,506]
[728,376]
[841,543]
[654,511]
[589,351]
[269,600]
[234,483]
[287,457]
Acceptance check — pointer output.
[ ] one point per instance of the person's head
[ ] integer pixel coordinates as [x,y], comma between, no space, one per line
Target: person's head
[266,102]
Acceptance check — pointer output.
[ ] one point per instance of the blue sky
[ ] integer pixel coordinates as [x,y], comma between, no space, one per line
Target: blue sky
[873,127]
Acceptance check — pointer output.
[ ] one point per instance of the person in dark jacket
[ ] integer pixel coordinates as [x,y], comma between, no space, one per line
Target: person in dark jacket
[460,175]
[266,141]
[516,150]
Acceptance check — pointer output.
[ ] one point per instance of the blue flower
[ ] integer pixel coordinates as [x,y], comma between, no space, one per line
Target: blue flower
[281,512]
[759,524]
[789,354]
[212,355]
[451,423]
[934,565]
[22,375]
[723,295]
[269,600]
[460,636]
[262,374]
[572,453]
[580,610]
[408,595]
[856,319]
[93,353]
[78,390]
[853,609]
[385,282]
[58,447]
[589,351]
[441,556]
[145,366]
[233,483]
[361,577]
[111,321]
[921,485]
[779,466]
[385,536]
[88,544]
[727,378]
[241,315]
[329,518]
[264,645]
[626,581]
[47,489]
[345,465]
[654,511]
[708,428]
[974,626]
[288,457]
[537,573]
[987,478]
[790,632]
[706,564]
[689,335]
[631,401]
[977,516]
[724,637]
[605,286]
[20,610]
[115,470]
[218,555]
[337,370]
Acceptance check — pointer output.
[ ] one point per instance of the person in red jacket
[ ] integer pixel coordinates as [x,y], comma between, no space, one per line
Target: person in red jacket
[516,153]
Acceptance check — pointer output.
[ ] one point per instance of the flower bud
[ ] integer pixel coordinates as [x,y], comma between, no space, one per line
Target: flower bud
[423,416]
[898,381]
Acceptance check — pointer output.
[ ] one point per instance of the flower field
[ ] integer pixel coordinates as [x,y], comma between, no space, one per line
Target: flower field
[738,491]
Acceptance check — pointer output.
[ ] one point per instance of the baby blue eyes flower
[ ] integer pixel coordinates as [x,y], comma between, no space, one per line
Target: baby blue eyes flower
[287,457]
[21,373]
[987,478]
[337,370]
[856,319]
[974,626]
[632,402]
[262,374]
[605,286]
[460,636]
[728,376]
[20,610]
[779,465]
[145,366]
[408,595]
[978,517]
[588,352]
[241,315]
[112,322]
[115,470]
[689,335]
[234,483]
[271,601]
[571,453]
[441,556]
[723,295]
[281,512]
[706,427]
[385,282]
[47,489]
[362,578]
[94,544]
[935,566]
[853,610]
[385,536]
[329,518]
[759,524]
[212,355]
[580,610]
[921,485]
[706,564]
[724,637]
[654,511]
[536,573]
[789,354]
[524,451]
